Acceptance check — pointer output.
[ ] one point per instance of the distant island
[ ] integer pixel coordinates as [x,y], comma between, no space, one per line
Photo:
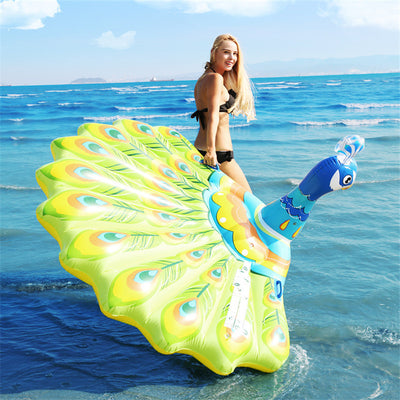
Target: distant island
[88,80]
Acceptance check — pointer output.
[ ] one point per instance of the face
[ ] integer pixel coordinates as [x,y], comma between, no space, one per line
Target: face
[225,56]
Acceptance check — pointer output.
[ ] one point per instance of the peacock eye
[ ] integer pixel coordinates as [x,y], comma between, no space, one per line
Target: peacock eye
[347,179]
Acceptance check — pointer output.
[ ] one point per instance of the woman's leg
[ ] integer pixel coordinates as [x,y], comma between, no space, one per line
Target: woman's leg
[233,170]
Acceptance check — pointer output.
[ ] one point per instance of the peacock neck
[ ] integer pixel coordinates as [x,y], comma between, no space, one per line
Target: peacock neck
[287,215]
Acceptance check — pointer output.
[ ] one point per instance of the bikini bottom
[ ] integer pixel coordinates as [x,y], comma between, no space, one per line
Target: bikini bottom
[222,156]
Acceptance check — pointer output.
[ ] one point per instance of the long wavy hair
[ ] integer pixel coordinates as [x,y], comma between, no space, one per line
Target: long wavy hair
[236,79]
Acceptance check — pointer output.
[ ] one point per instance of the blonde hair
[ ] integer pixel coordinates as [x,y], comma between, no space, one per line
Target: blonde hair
[236,79]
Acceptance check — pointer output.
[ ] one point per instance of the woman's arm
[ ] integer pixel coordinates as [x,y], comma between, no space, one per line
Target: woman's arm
[214,87]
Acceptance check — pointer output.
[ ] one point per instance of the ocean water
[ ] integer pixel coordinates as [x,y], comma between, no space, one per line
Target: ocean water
[342,292]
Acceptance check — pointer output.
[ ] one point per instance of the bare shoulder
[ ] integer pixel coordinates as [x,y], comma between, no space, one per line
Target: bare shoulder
[208,86]
[213,79]
[213,83]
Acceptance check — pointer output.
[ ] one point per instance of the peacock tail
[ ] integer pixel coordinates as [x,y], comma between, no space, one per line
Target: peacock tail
[135,213]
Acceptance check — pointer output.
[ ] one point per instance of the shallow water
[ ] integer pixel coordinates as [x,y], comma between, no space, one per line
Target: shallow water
[342,291]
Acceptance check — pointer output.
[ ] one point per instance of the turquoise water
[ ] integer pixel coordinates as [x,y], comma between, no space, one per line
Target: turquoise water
[342,291]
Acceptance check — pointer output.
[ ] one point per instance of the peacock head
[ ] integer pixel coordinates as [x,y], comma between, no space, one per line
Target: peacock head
[336,172]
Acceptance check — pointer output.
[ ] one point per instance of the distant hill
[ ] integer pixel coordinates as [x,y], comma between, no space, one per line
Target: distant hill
[328,66]
[88,80]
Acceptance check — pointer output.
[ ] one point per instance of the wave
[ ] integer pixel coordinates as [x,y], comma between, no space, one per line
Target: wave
[291,376]
[52,118]
[296,181]
[377,336]
[77,103]
[285,86]
[239,123]
[163,87]
[378,181]
[119,108]
[348,122]
[142,88]
[26,138]
[120,90]
[15,119]
[34,105]
[162,116]
[269,83]
[18,188]
[135,117]
[62,90]
[179,128]
[361,106]
[41,286]
[387,138]
[17,95]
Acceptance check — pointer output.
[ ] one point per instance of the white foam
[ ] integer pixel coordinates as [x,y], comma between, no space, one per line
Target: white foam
[185,128]
[122,90]
[370,105]
[62,90]
[164,87]
[13,187]
[135,117]
[374,182]
[120,108]
[380,336]
[17,95]
[377,392]
[347,122]
[301,358]
[270,83]
[70,104]
[293,181]
[275,87]
[161,116]
[104,119]
[233,125]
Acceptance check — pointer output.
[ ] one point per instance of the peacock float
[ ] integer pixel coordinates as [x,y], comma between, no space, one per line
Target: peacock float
[176,248]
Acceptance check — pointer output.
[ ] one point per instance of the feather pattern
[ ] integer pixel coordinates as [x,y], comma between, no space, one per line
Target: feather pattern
[130,207]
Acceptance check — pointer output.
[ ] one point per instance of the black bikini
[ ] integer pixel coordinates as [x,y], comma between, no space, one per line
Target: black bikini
[222,156]
[199,114]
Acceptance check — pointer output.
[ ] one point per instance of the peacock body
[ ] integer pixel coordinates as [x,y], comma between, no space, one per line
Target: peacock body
[175,248]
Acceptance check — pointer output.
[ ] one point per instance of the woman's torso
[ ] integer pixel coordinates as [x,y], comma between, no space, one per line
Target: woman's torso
[223,138]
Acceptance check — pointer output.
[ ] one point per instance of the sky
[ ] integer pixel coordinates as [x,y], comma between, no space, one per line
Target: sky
[58,41]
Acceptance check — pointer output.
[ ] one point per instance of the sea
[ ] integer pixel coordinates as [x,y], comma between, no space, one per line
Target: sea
[342,291]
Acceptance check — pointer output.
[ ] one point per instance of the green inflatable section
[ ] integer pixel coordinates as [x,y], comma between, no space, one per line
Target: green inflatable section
[126,205]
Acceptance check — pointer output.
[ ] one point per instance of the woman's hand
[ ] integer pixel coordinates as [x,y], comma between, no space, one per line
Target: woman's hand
[210,158]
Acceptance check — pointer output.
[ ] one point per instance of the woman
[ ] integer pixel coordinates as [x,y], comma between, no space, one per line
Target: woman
[223,88]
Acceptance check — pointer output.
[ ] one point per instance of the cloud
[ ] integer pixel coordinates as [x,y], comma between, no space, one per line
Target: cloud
[244,8]
[109,41]
[379,13]
[27,14]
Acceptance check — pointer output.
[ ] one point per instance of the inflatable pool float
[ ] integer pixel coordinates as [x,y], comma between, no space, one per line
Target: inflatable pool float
[178,249]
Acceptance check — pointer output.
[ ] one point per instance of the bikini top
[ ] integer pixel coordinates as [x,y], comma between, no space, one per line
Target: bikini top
[199,114]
